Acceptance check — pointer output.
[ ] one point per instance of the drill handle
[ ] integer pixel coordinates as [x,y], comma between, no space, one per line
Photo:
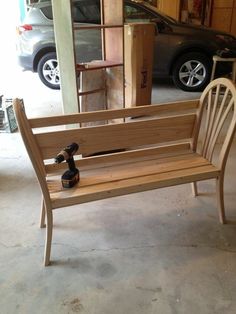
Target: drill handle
[71,163]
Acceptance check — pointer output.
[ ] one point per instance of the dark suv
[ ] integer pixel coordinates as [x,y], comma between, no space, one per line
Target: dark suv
[182,51]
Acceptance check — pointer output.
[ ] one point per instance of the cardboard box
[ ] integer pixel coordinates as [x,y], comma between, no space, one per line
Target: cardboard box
[139,49]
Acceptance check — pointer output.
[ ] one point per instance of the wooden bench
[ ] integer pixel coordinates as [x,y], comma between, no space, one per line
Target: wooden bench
[151,147]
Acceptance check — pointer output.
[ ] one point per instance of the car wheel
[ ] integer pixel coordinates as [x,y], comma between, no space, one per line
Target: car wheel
[192,72]
[48,70]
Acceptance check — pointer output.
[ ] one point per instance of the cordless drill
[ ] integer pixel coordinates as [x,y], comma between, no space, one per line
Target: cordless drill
[71,176]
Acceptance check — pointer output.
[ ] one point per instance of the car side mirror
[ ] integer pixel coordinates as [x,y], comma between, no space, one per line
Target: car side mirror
[159,23]
[160,26]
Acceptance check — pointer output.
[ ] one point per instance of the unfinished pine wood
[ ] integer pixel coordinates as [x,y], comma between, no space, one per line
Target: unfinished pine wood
[160,149]
[165,109]
[113,37]
[220,198]
[112,43]
[99,64]
[86,27]
[131,185]
[194,189]
[92,93]
[64,39]
[42,215]
[116,158]
[220,114]
[118,136]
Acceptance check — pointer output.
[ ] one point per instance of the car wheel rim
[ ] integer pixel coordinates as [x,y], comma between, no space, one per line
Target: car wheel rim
[192,73]
[51,72]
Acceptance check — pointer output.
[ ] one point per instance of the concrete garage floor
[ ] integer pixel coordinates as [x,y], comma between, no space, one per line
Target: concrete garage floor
[157,252]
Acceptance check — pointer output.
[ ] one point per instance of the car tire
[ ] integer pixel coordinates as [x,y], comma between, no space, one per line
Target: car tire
[48,70]
[192,71]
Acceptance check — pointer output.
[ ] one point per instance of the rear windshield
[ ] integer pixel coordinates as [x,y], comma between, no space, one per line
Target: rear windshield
[82,12]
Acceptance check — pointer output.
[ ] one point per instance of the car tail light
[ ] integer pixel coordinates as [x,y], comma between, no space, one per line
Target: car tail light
[23,28]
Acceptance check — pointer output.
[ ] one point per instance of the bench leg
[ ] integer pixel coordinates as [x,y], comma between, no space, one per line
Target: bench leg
[194,188]
[220,198]
[234,72]
[48,237]
[42,215]
[213,70]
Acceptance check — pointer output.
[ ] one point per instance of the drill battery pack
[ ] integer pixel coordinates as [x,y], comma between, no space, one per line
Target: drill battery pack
[70,178]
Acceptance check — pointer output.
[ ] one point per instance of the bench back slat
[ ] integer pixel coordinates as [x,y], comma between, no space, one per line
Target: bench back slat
[165,108]
[118,136]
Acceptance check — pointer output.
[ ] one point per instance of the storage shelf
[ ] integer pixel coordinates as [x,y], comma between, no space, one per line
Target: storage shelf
[84,27]
[94,65]
[91,91]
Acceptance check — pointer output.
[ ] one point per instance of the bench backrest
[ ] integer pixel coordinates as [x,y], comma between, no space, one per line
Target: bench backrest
[142,126]
[218,106]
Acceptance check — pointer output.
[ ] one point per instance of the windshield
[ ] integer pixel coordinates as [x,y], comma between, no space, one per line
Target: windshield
[166,17]
[88,11]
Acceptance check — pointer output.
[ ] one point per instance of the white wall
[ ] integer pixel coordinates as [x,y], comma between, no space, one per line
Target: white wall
[9,19]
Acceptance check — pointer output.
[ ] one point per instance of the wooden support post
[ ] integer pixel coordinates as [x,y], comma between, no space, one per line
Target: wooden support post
[64,38]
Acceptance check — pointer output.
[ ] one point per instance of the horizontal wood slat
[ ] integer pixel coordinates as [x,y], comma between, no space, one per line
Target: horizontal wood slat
[166,108]
[95,65]
[127,170]
[61,198]
[101,26]
[97,90]
[117,136]
[124,156]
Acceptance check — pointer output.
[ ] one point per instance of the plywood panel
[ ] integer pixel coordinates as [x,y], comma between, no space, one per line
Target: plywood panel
[113,12]
[233,25]
[113,50]
[115,87]
[170,8]
[114,44]
[221,19]
[93,92]
[223,3]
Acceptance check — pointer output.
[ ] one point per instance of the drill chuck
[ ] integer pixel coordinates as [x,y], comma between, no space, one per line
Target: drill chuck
[66,153]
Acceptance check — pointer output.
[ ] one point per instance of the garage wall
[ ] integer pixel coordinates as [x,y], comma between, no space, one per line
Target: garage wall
[171,8]
[224,15]
[9,19]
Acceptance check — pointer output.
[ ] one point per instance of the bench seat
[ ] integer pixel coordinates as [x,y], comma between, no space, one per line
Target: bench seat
[132,175]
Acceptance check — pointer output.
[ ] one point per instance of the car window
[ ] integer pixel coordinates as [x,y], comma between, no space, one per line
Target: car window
[86,12]
[47,11]
[137,14]
[82,12]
